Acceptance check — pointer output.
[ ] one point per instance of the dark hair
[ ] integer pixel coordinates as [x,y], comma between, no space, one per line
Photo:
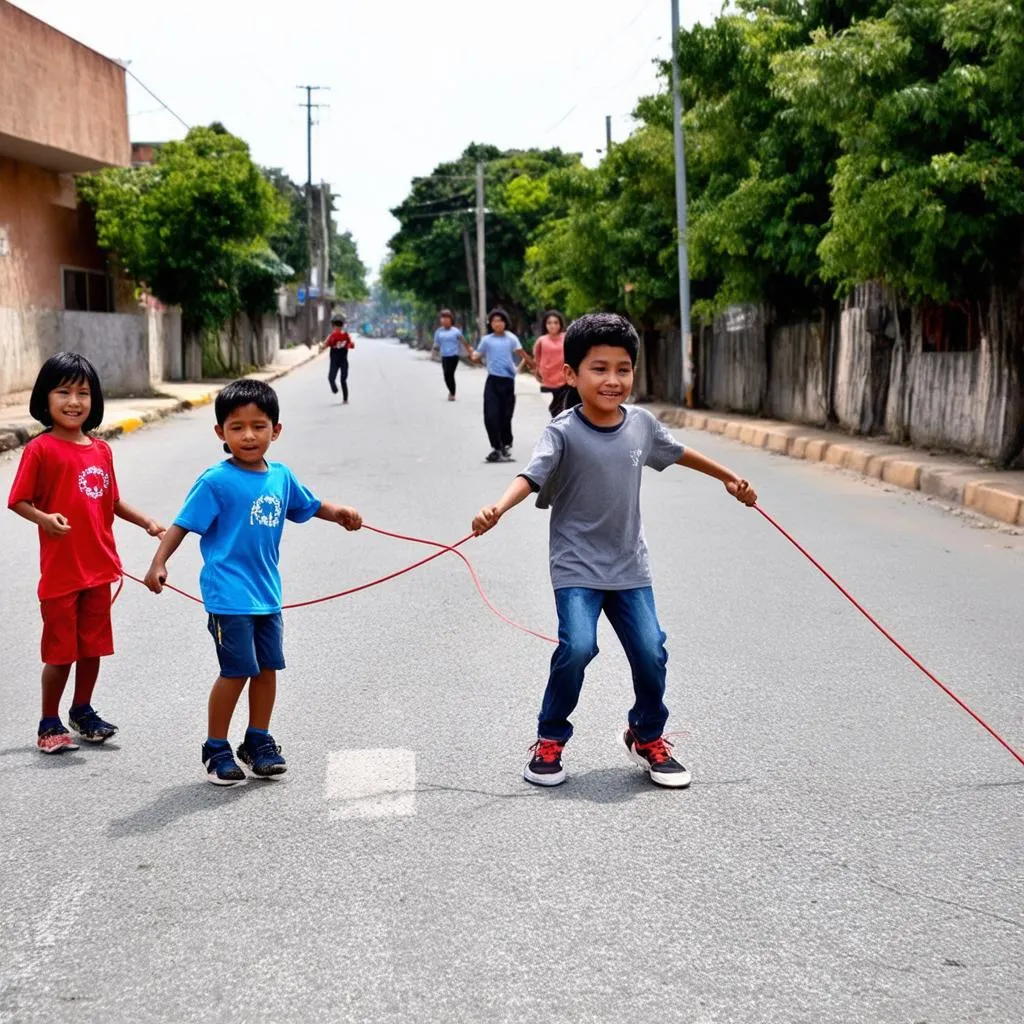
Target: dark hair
[555,313]
[599,329]
[246,392]
[498,311]
[338,320]
[66,368]
[447,313]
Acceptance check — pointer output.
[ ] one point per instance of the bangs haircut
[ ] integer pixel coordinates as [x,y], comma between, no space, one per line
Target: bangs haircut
[596,329]
[66,368]
[498,311]
[247,392]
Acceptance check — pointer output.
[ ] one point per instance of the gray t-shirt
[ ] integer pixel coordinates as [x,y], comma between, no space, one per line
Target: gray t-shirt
[590,478]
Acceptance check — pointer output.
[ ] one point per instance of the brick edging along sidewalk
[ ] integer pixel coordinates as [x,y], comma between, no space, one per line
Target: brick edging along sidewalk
[992,493]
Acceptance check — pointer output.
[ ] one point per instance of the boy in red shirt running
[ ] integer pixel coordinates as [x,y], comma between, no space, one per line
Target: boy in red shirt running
[339,342]
[66,486]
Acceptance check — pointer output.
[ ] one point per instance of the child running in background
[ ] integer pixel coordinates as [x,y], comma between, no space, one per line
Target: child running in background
[587,468]
[238,508]
[499,350]
[66,485]
[339,342]
[450,342]
[549,353]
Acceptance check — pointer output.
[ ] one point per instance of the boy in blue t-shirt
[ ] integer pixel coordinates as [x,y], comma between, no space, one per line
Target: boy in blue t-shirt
[450,342]
[500,349]
[238,508]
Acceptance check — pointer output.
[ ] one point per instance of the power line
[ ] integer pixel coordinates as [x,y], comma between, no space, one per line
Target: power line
[188,127]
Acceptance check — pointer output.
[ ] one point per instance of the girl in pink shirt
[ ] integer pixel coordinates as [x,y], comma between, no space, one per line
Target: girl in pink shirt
[549,351]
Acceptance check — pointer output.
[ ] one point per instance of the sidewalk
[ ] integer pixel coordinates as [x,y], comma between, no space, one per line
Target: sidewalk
[956,479]
[123,415]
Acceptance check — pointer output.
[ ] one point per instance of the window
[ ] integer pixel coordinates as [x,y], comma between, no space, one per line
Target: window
[88,291]
[954,327]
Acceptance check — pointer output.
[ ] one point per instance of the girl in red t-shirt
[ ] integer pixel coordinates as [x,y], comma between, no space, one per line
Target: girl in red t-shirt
[65,484]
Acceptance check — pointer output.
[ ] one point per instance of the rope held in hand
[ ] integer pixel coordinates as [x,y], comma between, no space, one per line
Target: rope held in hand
[453,549]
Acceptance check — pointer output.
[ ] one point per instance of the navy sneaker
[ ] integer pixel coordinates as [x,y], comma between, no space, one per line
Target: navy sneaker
[656,758]
[262,755]
[221,769]
[89,725]
[545,767]
[493,456]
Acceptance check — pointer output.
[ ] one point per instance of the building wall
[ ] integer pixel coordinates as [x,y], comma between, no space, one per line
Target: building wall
[62,105]
[44,229]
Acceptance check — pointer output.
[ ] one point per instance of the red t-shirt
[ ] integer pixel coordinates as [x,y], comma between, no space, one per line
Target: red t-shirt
[76,480]
[339,339]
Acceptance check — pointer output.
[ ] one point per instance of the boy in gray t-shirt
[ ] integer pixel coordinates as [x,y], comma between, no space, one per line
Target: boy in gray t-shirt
[587,468]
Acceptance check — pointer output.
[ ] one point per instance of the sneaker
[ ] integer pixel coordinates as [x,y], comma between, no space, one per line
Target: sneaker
[493,456]
[89,725]
[263,756]
[506,454]
[55,740]
[656,757]
[221,769]
[545,768]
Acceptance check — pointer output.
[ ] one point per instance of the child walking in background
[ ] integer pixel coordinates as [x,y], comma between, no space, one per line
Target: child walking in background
[587,468]
[66,486]
[339,342]
[450,342]
[238,508]
[549,353]
[499,349]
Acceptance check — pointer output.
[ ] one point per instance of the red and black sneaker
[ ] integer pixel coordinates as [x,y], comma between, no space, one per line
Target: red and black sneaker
[545,768]
[656,758]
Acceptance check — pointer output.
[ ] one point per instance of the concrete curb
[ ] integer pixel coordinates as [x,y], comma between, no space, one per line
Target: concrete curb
[957,482]
[12,437]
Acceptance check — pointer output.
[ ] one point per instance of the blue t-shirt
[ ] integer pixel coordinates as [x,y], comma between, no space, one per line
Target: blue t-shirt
[449,340]
[497,349]
[240,514]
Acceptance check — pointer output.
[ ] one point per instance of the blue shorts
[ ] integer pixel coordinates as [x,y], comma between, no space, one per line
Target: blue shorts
[248,644]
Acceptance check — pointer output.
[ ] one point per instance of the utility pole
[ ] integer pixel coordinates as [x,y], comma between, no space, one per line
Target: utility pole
[470,273]
[608,134]
[481,269]
[686,339]
[310,107]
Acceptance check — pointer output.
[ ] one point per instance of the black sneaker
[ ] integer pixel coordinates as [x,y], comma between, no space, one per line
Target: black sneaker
[506,454]
[263,756]
[545,768]
[656,757]
[220,765]
[89,725]
[493,456]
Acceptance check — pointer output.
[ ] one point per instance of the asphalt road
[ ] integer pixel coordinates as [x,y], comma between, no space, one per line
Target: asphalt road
[850,849]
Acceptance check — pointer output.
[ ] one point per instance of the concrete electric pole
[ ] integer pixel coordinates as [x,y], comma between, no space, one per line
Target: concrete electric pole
[481,268]
[310,107]
[686,339]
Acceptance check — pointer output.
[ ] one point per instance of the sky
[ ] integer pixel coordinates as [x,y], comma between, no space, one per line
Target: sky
[410,84]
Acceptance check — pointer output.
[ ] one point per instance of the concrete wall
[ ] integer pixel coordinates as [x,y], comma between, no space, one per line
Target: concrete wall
[798,372]
[62,105]
[731,362]
[243,344]
[129,350]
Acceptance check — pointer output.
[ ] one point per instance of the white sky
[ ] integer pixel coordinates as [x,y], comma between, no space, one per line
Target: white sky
[412,83]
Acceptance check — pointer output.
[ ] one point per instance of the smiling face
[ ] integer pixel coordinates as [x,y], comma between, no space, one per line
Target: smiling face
[604,380]
[498,325]
[248,432]
[69,405]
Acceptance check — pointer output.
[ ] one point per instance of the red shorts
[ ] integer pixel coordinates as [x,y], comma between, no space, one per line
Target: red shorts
[77,626]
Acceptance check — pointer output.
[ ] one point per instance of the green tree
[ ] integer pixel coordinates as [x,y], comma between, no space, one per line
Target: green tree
[347,268]
[924,100]
[188,226]
[428,253]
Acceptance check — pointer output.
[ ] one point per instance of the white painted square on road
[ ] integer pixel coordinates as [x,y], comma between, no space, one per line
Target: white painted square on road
[370,784]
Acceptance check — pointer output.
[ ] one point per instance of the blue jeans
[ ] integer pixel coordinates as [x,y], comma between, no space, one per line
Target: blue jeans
[635,621]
